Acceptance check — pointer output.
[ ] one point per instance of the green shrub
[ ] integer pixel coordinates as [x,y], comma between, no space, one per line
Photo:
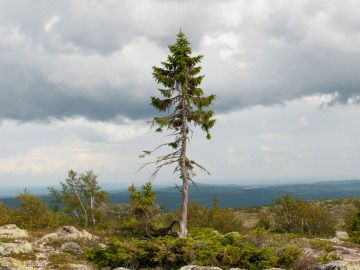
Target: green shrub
[202,247]
[264,220]
[288,256]
[322,245]
[4,217]
[297,216]
[34,213]
[223,220]
[142,208]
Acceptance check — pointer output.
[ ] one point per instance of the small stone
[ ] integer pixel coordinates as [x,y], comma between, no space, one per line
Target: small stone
[341,235]
[70,246]
[197,267]
[101,246]
[232,233]
[335,240]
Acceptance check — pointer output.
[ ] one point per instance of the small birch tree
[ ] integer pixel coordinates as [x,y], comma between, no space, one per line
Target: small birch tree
[184,102]
[80,197]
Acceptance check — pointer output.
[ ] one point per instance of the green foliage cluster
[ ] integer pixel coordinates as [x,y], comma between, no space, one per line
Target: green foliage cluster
[264,220]
[143,208]
[32,213]
[202,247]
[297,216]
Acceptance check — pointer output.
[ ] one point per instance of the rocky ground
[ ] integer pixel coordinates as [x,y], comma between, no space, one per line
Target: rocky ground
[61,249]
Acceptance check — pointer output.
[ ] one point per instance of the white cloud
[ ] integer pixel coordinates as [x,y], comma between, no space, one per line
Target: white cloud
[55,147]
[110,132]
[53,159]
[228,42]
[50,23]
[303,121]
[266,148]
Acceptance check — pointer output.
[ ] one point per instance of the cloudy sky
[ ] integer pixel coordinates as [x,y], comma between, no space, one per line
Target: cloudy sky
[76,83]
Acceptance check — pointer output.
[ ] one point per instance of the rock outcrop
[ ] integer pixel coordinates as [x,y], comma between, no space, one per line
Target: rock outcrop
[12,231]
[69,232]
[8,248]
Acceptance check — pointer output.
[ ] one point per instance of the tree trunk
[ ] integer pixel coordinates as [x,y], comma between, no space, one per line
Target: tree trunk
[184,209]
[82,206]
[92,199]
[184,175]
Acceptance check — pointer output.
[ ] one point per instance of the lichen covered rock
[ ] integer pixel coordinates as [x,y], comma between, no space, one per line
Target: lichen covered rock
[337,265]
[69,232]
[341,235]
[12,231]
[8,248]
[12,264]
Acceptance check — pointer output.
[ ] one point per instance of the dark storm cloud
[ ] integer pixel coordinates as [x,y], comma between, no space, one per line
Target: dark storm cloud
[39,100]
[93,59]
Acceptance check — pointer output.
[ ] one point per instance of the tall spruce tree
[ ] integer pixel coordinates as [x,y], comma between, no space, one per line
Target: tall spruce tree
[184,104]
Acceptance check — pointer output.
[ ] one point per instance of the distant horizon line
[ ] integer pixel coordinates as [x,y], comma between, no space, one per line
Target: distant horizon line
[10,191]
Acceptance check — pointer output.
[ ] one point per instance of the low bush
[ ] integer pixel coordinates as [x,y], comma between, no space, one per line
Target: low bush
[224,220]
[322,245]
[288,256]
[202,247]
[264,220]
[32,213]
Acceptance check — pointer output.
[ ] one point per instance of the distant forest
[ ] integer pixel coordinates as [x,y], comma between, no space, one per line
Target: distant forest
[237,196]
